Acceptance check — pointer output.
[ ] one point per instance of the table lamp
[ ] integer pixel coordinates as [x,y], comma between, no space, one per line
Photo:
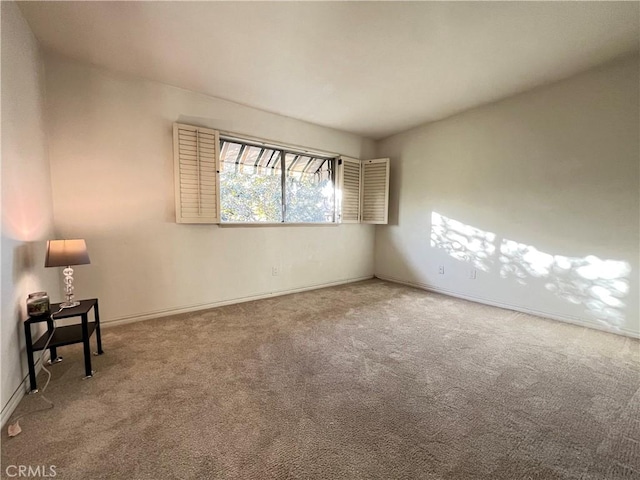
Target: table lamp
[65,253]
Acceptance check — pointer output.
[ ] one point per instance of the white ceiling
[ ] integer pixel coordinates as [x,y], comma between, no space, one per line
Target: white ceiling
[373,68]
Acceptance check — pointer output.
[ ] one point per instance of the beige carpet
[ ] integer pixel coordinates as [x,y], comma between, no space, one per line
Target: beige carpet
[365,381]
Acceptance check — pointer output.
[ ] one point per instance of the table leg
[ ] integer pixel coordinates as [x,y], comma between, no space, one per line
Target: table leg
[53,353]
[96,313]
[32,368]
[87,348]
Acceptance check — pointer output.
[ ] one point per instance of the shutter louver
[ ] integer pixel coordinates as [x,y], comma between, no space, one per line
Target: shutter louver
[375,191]
[196,154]
[350,190]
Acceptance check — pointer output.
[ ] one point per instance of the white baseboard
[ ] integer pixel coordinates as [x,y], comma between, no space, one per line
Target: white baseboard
[20,392]
[552,316]
[204,306]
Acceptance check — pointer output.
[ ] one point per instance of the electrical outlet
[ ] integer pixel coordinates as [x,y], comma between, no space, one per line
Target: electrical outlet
[441,269]
[275,271]
[472,274]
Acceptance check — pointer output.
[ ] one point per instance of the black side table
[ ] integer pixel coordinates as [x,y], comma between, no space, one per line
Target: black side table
[68,335]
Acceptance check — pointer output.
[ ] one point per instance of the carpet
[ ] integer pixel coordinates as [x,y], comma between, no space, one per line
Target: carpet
[370,380]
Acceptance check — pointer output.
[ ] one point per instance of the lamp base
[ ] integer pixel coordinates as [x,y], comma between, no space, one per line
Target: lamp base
[69,304]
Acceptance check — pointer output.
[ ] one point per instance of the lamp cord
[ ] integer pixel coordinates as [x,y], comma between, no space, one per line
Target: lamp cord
[14,425]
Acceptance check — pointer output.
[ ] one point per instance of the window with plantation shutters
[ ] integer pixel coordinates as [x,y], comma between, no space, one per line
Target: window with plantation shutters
[350,189]
[375,191]
[365,190]
[196,154]
[224,178]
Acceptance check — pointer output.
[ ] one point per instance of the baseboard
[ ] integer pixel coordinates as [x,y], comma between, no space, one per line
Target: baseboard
[19,393]
[221,303]
[551,316]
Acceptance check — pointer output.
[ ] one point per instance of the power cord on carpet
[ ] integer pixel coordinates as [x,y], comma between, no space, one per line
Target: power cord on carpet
[14,428]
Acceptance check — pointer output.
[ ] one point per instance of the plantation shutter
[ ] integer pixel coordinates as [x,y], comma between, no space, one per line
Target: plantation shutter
[196,157]
[375,191]
[350,187]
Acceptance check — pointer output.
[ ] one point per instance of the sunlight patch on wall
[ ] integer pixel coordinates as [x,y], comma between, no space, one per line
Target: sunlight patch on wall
[462,242]
[599,285]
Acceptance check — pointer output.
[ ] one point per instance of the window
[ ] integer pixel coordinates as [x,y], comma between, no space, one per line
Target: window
[250,183]
[310,189]
[260,183]
[221,178]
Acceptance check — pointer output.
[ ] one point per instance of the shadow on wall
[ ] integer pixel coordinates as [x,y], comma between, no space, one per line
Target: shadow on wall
[599,285]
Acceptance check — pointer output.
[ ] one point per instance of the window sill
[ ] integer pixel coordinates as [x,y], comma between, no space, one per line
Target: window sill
[277,224]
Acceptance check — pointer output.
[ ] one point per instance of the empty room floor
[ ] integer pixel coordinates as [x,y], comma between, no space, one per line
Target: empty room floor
[370,380]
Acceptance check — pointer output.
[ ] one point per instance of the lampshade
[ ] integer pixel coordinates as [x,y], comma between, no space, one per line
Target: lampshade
[62,253]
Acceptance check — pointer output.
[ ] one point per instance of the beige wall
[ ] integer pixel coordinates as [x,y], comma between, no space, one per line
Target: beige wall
[539,193]
[112,173]
[27,214]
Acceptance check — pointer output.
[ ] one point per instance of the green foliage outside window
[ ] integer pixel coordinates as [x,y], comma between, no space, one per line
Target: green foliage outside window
[257,197]
[309,200]
[251,185]
[250,197]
